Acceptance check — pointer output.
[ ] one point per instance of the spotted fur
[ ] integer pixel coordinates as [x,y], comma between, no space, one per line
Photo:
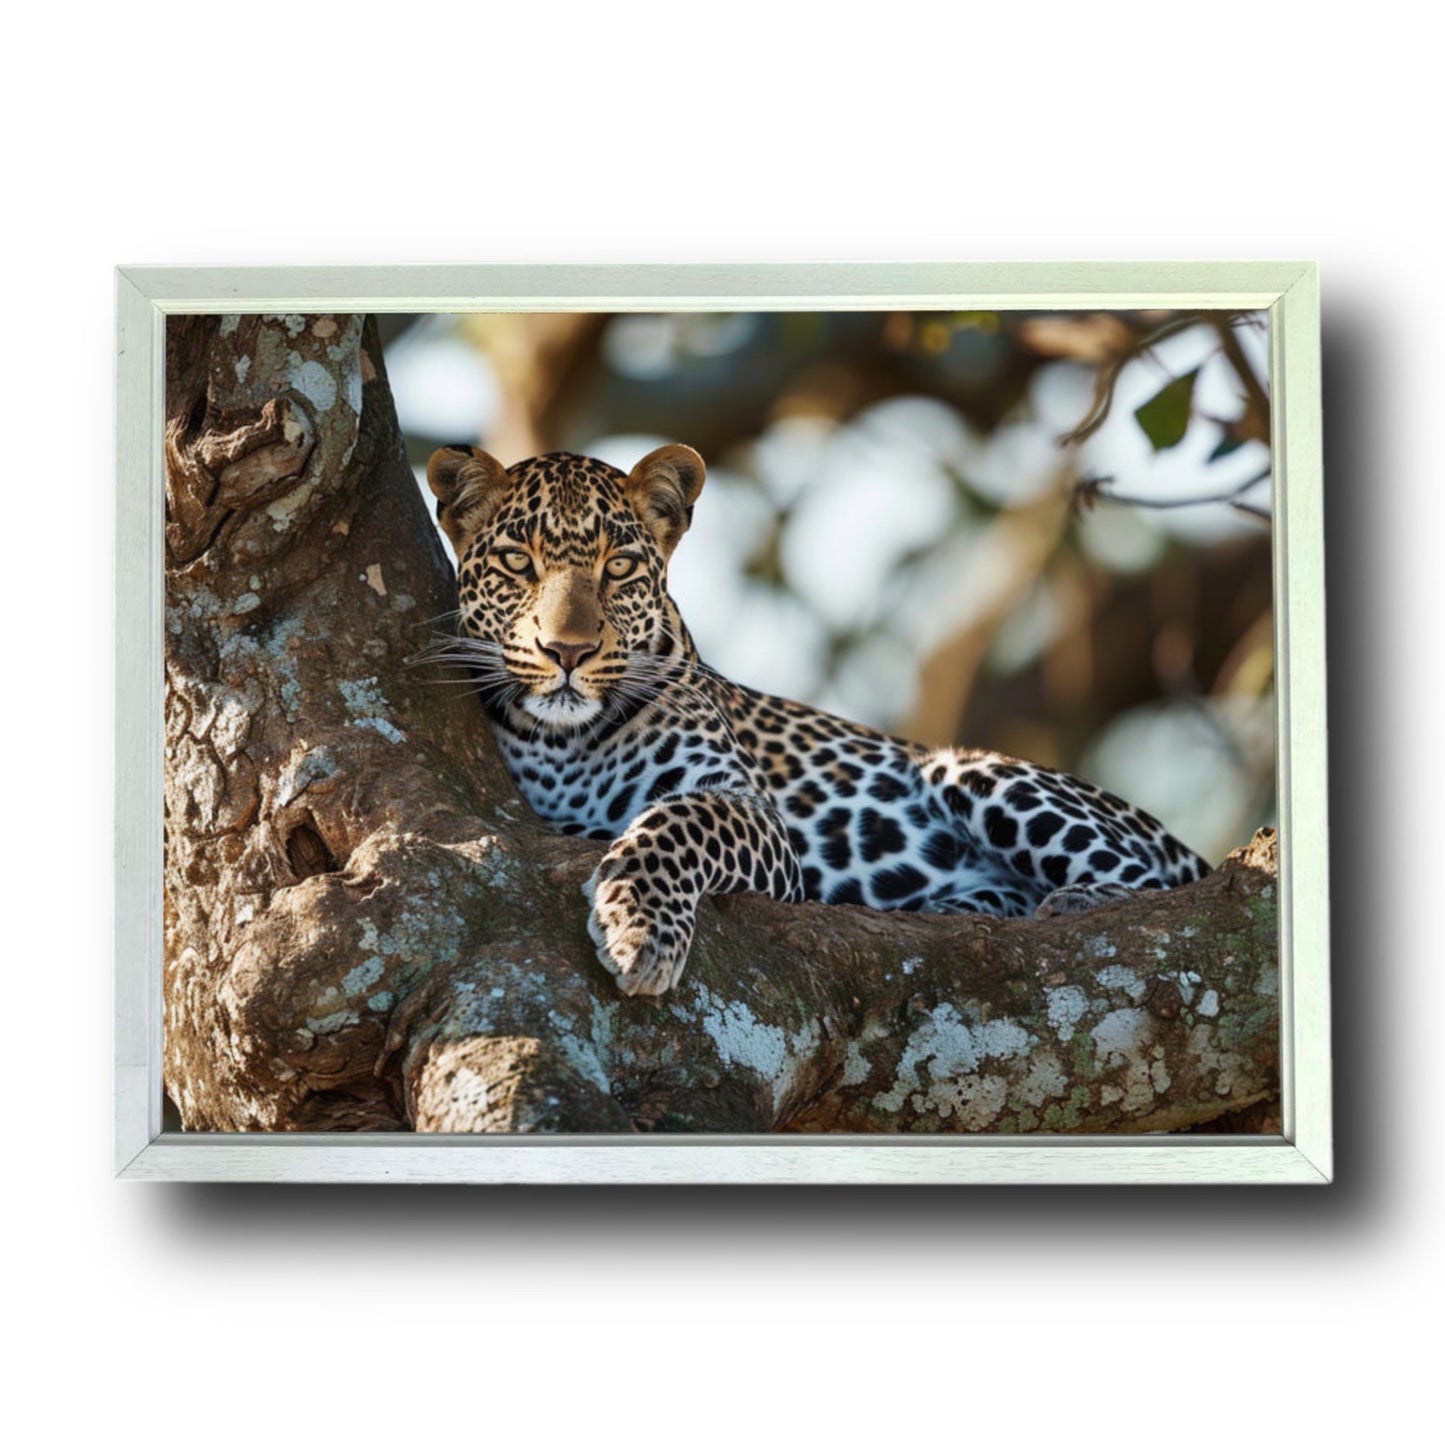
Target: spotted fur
[613,728]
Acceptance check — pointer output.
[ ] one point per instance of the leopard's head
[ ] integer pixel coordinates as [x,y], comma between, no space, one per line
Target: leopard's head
[562,572]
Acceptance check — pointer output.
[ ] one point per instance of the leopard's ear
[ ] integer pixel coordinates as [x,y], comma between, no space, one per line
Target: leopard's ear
[662,488]
[469,486]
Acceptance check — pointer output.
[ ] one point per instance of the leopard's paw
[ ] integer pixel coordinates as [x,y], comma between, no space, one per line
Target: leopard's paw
[644,952]
[1083,897]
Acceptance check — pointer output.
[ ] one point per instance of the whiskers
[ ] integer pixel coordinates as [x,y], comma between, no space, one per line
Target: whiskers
[484,672]
[450,617]
[669,681]
[675,685]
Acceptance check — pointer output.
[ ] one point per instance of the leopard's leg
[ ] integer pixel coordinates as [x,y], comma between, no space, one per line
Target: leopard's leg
[1072,845]
[646,890]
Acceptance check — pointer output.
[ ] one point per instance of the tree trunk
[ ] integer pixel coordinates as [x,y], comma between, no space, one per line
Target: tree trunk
[367,929]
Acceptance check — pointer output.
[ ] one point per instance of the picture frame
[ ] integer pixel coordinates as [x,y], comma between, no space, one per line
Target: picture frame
[1300,1153]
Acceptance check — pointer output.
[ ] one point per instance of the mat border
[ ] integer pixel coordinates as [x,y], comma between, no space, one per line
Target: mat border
[1303,1153]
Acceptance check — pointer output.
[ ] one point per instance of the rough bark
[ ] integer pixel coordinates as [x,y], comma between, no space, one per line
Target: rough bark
[367,929]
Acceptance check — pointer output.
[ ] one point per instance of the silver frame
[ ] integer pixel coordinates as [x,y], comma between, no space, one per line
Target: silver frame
[1303,1153]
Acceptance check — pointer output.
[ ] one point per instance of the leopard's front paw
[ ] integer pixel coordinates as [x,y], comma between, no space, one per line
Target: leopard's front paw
[639,940]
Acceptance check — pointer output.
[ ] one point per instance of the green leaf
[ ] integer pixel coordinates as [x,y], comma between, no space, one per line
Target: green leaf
[1164,418]
[1227,444]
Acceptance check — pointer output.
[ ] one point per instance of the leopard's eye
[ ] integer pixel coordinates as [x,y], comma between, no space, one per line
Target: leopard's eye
[514,560]
[620,566]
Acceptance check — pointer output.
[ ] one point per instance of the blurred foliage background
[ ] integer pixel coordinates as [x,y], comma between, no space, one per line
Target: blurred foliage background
[1042,532]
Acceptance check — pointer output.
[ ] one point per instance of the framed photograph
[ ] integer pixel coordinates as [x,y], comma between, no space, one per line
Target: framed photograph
[740,724]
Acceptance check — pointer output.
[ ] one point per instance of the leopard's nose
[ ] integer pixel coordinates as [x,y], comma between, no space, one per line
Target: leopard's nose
[568,655]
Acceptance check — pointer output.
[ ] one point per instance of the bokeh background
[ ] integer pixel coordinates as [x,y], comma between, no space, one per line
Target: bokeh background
[1043,532]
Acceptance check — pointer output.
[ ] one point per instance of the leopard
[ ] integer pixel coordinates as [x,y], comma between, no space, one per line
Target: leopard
[614,729]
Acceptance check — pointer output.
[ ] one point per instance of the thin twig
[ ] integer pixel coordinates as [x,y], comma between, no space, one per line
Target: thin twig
[1234,352]
[1108,377]
[1092,489]
[1263,513]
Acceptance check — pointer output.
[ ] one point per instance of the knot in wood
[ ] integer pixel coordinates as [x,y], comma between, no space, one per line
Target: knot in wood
[1164,999]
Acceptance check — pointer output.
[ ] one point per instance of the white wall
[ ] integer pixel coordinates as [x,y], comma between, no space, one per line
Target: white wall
[176,133]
